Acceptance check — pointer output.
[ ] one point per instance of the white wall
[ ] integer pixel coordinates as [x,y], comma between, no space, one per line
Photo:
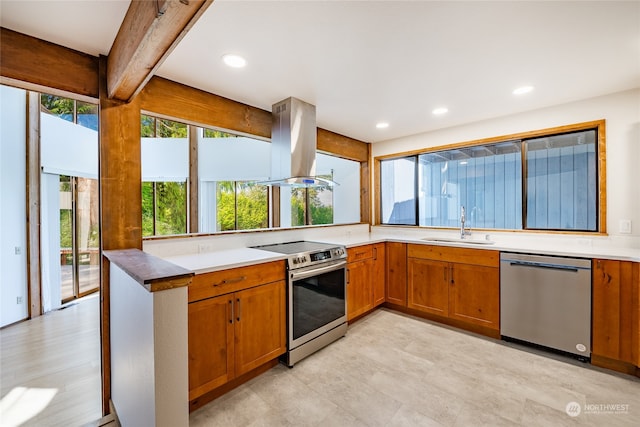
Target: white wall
[622,114]
[13,233]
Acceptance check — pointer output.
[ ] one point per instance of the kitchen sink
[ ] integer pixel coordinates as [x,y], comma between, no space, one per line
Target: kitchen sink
[466,241]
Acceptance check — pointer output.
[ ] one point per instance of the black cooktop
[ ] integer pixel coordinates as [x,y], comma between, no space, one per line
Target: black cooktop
[291,248]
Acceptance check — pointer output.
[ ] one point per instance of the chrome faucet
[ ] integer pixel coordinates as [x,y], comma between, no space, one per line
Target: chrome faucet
[462,221]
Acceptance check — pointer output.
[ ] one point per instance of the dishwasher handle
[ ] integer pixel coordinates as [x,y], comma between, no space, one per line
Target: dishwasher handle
[543,265]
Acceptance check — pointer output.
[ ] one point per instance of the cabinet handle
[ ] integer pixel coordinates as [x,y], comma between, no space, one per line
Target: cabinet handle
[451,273]
[347,276]
[445,274]
[375,254]
[238,318]
[231,311]
[229,281]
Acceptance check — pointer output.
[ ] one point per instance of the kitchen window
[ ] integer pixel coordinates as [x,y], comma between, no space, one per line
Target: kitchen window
[154,127]
[70,255]
[165,173]
[312,206]
[398,191]
[229,167]
[164,208]
[486,179]
[546,180]
[562,182]
[217,175]
[241,206]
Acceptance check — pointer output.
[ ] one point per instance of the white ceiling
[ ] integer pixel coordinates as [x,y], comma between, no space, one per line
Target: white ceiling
[361,62]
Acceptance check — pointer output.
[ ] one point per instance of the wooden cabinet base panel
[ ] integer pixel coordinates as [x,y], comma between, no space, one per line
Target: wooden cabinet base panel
[488,332]
[615,365]
[214,394]
[363,315]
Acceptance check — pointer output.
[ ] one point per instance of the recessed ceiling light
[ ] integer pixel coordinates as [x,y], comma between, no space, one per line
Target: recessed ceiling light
[522,90]
[235,61]
[440,111]
[382,125]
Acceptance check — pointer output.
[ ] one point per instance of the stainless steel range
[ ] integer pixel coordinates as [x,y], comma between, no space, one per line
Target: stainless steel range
[316,297]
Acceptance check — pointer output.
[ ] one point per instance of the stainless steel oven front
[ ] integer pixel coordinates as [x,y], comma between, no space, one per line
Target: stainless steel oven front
[317,308]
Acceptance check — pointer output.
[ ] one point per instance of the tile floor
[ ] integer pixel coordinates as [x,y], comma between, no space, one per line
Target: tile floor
[396,370]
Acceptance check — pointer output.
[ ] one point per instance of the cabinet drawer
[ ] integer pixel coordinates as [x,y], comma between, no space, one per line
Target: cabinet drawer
[359,253]
[223,282]
[488,258]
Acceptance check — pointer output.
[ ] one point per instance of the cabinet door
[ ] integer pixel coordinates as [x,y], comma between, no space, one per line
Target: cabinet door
[474,295]
[260,329]
[210,325]
[379,274]
[397,273]
[615,334]
[359,288]
[428,286]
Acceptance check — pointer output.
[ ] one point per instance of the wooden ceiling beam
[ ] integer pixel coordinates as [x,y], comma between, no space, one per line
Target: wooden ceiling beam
[39,65]
[149,32]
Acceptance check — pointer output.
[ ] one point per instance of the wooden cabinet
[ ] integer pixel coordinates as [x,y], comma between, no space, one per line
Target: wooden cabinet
[474,295]
[260,328]
[456,283]
[233,333]
[365,279]
[396,286]
[379,273]
[428,288]
[211,339]
[359,288]
[616,310]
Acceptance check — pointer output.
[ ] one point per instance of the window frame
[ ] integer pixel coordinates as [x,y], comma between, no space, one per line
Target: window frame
[598,125]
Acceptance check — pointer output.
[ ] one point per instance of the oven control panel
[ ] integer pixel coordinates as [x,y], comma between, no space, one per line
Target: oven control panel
[318,257]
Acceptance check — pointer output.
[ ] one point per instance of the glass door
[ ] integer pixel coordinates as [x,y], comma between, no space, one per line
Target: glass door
[79,237]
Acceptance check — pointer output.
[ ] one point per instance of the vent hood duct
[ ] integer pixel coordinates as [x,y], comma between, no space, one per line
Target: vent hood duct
[293,145]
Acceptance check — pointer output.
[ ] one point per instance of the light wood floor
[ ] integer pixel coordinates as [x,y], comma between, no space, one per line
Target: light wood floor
[396,370]
[50,368]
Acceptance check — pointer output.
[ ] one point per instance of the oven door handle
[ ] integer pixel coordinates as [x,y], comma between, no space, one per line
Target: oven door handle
[297,275]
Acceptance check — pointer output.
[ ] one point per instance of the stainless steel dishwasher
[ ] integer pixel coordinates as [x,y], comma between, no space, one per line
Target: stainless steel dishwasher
[546,300]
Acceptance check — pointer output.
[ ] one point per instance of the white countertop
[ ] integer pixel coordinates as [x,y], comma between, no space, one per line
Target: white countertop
[238,257]
[540,246]
[207,262]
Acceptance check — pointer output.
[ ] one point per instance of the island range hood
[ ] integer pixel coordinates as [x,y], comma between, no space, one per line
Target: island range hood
[293,145]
